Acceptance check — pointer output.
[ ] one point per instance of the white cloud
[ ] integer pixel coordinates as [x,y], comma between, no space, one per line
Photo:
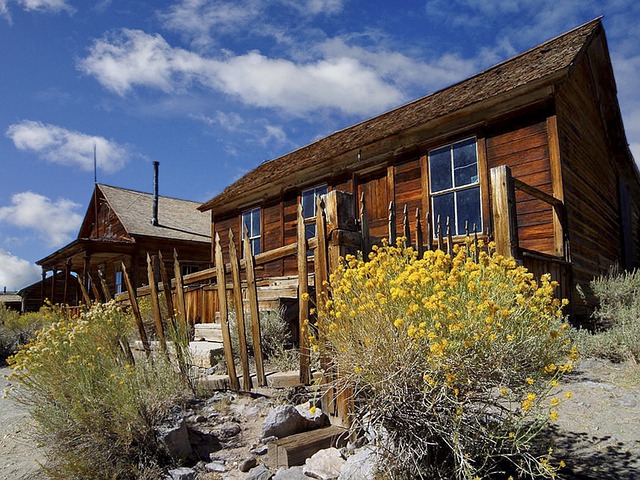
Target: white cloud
[67,147]
[230,121]
[275,134]
[197,18]
[135,58]
[46,5]
[15,272]
[55,222]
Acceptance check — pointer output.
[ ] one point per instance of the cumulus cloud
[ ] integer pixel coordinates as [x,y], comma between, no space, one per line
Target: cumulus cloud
[66,147]
[134,58]
[54,221]
[15,272]
[41,6]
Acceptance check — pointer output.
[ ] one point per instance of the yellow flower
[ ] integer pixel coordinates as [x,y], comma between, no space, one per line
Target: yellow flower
[568,395]
[529,380]
[313,409]
[553,415]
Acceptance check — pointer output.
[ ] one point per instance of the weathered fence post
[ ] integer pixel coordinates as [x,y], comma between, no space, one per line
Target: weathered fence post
[237,296]
[505,225]
[303,301]
[406,228]
[181,310]
[224,316]
[166,288]
[105,287]
[136,310]
[364,228]
[419,245]
[392,224]
[252,293]
[157,315]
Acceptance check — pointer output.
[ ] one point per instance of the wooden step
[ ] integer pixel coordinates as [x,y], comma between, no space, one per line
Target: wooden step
[293,450]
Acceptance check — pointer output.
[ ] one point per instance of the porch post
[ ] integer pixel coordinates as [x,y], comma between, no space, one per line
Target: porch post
[344,237]
[505,221]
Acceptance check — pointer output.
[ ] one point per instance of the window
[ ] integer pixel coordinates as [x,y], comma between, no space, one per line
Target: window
[188,269]
[118,280]
[309,206]
[455,186]
[251,221]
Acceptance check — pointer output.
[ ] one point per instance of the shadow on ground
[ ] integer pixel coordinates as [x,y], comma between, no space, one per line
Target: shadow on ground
[591,457]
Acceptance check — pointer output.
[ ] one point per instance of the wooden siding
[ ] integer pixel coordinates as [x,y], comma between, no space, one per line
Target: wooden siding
[408,191]
[524,147]
[589,176]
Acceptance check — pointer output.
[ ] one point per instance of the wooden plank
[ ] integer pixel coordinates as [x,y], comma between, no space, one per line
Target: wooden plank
[83,289]
[181,310]
[419,241]
[535,192]
[406,229]
[392,224]
[237,297]
[321,266]
[166,288]
[252,293]
[224,315]
[136,310]
[364,228]
[560,239]
[303,301]
[105,287]
[157,315]
[94,287]
[504,215]
[295,449]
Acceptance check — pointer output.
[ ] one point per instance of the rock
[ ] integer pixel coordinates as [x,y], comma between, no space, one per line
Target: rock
[324,465]
[182,473]
[260,450]
[229,429]
[247,464]
[293,473]
[318,418]
[629,400]
[287,420]
[216,466]
[360,466]
[174,435]
[259,473]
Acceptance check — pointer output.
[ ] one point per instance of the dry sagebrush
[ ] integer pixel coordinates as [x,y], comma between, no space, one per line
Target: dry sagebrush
[454,362]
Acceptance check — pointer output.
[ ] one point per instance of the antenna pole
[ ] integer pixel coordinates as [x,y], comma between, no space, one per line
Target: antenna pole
[95,165]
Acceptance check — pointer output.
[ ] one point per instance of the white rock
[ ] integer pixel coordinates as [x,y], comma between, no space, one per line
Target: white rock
[324,464]
[360,466]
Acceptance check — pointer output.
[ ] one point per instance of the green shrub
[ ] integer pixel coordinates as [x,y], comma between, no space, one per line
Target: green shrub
[17,329]
[275,335]
[453,362]
[616,318]
[96,410]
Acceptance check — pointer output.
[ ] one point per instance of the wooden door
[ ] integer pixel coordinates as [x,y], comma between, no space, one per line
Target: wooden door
[375,188]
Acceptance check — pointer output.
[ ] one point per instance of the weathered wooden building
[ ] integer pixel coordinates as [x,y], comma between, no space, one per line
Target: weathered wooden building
[549,114]
[124,226]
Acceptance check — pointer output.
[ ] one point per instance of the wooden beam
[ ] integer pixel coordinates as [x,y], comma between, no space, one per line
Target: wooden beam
[224,316]
[252,293]
[181,310]
[560,233]
[136,310]
[237,297]
[166,288]
[504,212]
[303,300]
[155,304]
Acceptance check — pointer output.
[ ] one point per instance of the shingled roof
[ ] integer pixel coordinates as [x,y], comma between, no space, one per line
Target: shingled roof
[178,219]
[545,61]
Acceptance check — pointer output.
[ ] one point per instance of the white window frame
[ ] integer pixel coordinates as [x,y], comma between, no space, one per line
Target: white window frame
[457,229]
[254,237]
[118,286]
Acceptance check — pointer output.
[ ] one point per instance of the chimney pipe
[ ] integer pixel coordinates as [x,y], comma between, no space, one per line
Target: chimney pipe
[154,220]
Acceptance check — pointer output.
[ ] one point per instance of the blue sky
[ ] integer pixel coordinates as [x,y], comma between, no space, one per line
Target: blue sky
[210,89]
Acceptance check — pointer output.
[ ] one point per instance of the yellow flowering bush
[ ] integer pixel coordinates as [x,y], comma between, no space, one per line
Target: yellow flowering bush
[94,407]
[453,360]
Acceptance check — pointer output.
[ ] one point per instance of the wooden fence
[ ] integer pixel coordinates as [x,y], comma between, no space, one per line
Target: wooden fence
[203,295]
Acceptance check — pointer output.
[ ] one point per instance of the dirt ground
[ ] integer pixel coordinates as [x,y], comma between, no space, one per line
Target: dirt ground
[597,433]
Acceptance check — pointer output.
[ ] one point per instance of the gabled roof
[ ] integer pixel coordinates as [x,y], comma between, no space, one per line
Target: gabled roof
[178,219]
[546,62]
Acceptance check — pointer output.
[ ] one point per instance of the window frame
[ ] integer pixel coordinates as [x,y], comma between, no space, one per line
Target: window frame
[253,238]
[118,286]
[458,230]
[310,222]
